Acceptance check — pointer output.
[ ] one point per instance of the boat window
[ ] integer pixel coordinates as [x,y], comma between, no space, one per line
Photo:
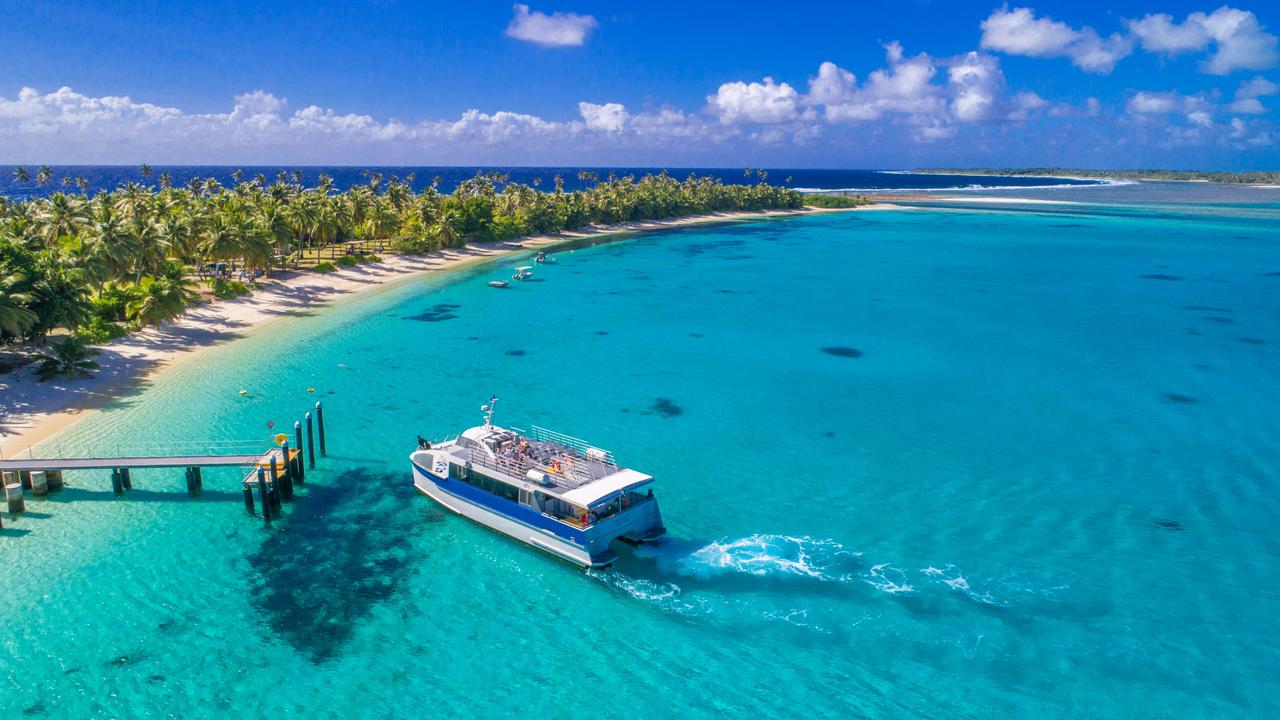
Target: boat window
[459,472]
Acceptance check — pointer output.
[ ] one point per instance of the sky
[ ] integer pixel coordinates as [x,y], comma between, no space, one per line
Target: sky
[872,84]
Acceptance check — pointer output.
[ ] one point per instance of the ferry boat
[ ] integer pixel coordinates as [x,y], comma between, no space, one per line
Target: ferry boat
[552,491]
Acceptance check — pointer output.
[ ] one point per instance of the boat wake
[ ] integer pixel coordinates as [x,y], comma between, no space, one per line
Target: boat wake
[814,583]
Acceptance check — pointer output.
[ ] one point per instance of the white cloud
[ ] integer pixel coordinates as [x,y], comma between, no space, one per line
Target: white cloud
[766,103]
[1020,32]
[1246,100]
[1195,109]
[260,102]
[610,117]
[1151,103]
[1239,41]
[977,82]
[905,87]
[832,85]
[558,29]
[1025,104]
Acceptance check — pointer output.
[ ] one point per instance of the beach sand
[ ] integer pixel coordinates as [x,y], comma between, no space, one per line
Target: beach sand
[33,411]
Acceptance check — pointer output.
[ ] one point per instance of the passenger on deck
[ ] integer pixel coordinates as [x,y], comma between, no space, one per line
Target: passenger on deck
[423,443]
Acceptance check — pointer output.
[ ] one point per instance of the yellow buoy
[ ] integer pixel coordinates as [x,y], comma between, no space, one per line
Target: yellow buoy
[281,439]
[244,392]
[311,389]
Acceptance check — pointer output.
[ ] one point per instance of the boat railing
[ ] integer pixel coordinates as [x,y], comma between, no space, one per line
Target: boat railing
[582,447]
[573,473]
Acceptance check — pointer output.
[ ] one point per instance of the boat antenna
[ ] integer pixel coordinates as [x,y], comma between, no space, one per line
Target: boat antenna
[488,411]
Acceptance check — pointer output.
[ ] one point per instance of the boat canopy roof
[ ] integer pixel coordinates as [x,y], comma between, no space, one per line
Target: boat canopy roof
[606,488]
[525,267]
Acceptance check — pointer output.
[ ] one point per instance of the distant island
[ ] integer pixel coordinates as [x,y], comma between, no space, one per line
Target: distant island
[1257,177]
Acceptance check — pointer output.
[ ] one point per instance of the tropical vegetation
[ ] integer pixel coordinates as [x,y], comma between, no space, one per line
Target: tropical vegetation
[96,266]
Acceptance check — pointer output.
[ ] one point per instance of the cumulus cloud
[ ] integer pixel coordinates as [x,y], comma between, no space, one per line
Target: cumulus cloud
[905,87]
[559,29]
[1196,110]
[766,103]
[610,117]
[1246,100]
[1025,104]
[1020,32]
[977,82]
[1239,41]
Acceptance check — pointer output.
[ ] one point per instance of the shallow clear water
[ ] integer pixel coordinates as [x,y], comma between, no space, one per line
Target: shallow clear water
[1045,488]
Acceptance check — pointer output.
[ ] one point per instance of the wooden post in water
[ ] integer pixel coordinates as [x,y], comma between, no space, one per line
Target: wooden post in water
[320,424]
[311,444]
[25,477]
[117,484]
[199,476]
[193,485]
[39,483]
[264,495]
[248,498]
[285,481]
[17,502]
[298,471]
[55,480]
[126,479]
[274,496]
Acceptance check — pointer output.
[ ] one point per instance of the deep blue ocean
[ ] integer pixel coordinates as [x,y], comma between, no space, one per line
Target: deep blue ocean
[1045,486]
[106,177]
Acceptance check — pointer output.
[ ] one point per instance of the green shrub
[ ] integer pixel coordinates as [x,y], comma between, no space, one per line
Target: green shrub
[325,267]
[348,261]
[371,258]
[98,331]
[837,201]
[227,289]
[109,305]
[410,245]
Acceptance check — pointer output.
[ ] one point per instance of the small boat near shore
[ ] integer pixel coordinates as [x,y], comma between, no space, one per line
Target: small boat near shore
[524,272]
[551,491]
[498,283]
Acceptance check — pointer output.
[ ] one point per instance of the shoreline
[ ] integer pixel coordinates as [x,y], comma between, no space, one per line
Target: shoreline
[33,412]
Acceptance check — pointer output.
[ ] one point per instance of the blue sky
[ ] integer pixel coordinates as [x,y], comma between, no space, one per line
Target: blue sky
[874,84]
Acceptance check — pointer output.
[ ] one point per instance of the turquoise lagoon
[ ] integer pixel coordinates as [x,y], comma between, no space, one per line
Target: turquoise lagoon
[1044,485]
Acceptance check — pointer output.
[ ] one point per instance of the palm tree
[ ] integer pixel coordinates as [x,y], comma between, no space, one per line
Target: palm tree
[21,175]
[15,318]
[71,358]
[61,216]
[44,175]
[159,299]
[146,170]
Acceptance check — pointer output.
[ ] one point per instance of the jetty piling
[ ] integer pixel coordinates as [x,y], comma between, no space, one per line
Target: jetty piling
[273,496]
[54,478]
[117,484]
[264,495]
[126,478]
[286,475]
[17,501]
[39,483]
[298,471]
[311,445]
[320,426]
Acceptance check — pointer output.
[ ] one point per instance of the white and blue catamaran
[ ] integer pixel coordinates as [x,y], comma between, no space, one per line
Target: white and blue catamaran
[552,491]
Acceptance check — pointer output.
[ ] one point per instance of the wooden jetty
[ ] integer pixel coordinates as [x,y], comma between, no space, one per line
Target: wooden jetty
[274,469]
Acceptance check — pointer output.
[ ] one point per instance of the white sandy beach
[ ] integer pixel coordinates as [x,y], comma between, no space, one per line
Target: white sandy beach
[33,411]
